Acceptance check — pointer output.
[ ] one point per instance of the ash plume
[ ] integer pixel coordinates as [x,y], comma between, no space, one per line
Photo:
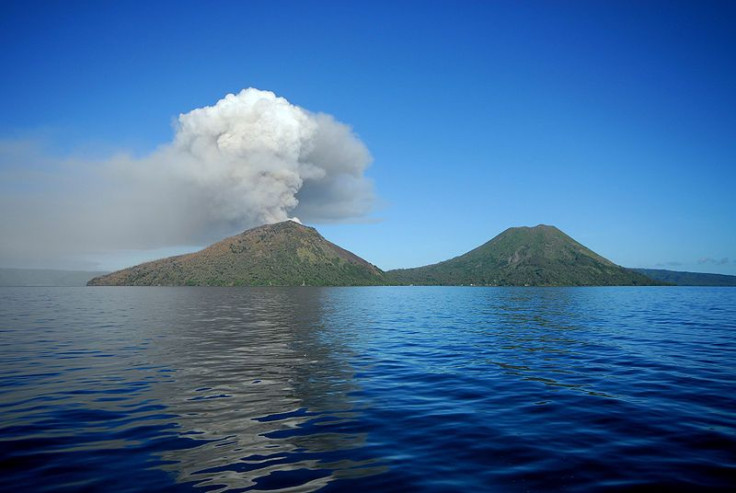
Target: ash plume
[252,158]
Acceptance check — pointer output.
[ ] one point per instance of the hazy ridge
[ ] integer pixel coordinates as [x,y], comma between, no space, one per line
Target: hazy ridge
[681,278]
[46,277]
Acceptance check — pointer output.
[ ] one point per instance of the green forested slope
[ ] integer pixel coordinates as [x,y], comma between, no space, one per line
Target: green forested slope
[538,256]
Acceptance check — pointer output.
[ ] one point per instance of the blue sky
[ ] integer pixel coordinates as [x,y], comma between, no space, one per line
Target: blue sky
[614,121]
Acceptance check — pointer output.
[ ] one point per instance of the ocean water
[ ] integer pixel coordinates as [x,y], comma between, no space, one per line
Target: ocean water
[367,389]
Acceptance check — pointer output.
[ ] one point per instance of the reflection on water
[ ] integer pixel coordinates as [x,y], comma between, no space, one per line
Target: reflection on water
[380,389]
[228,388]
[259,383]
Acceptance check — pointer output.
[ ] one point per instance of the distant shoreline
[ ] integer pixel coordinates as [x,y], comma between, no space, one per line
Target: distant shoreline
[42,278]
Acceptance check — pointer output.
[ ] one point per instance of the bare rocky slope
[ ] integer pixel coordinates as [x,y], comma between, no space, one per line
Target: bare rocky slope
[282,254]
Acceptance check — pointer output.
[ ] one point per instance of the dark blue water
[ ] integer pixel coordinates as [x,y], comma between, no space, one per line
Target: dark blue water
[374,389]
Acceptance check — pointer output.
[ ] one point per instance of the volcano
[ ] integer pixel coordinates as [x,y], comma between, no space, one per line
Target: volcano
[281,254]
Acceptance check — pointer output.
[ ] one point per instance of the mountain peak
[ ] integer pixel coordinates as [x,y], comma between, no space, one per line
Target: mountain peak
[539,228]
[280,254]
[281,225]
[289,253]
[541,255]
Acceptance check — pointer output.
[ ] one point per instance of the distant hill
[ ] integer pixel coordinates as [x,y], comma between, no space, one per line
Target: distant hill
[45,277]
[282,254]
[538,256]
[688,278]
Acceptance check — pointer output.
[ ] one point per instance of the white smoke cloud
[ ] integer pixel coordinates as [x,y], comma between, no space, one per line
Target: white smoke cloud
[252,158]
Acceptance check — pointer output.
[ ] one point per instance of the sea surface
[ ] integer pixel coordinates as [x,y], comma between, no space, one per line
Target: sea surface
[367,389]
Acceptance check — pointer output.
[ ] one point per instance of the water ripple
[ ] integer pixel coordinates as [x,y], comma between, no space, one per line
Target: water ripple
[385,389]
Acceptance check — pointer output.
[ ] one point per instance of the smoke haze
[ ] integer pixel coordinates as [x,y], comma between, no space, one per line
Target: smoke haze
[252,158]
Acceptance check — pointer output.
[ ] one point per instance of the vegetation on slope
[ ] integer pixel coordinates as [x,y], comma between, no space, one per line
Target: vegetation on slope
[282,254]
[290,254]
[538,256]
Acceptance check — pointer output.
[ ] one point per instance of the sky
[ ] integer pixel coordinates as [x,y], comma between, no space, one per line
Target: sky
[406,132]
